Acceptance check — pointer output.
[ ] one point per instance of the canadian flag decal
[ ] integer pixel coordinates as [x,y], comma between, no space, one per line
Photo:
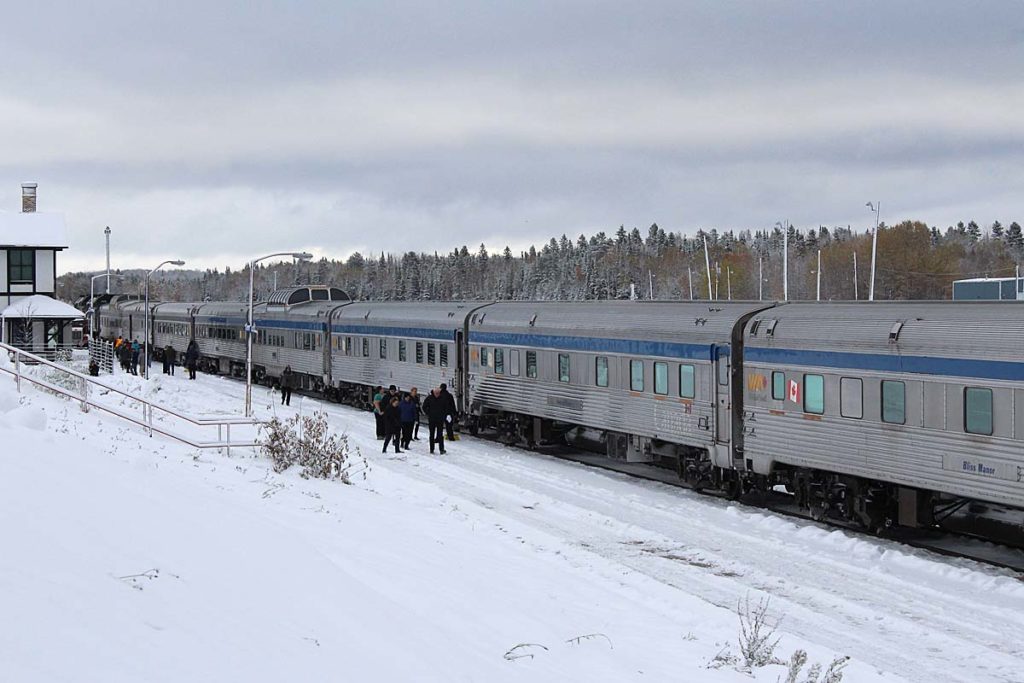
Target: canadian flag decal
[794,391]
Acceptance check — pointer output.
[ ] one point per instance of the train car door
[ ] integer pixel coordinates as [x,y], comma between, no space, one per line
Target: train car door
[723,403]
[460,372]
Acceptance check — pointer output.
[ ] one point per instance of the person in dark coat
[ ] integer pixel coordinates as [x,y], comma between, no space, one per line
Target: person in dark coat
[124,356]
[136,350]
[449,404]
[415,395]
[192,358]
[170,358]
[407,411]
[287,384]
[392,425]
[436,410]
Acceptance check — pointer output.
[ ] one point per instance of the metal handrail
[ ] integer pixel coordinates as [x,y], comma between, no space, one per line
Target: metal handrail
[148,407]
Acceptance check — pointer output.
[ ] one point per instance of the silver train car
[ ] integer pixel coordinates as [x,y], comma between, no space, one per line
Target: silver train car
[878,413]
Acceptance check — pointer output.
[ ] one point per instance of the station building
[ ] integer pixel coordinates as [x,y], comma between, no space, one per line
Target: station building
[989,289]
[30,242]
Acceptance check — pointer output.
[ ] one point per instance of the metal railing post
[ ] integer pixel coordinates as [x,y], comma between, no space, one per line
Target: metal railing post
[17,370]
[85,396]
[229,439]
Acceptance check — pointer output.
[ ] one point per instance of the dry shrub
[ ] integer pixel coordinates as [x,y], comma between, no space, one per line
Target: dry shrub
[307,441]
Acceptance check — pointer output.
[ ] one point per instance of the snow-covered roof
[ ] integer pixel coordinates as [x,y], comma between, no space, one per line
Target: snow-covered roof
[985,279]
[40,306]
[33,229]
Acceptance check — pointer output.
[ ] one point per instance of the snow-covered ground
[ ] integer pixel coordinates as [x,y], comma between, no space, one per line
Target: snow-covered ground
[130,558]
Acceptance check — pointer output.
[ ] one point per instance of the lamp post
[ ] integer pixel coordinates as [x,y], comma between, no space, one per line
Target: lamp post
[145,360]
[877,208]
[785,259]
[301,256]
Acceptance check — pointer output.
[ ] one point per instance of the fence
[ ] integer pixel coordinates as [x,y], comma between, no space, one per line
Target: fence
[102,353]
[84,389]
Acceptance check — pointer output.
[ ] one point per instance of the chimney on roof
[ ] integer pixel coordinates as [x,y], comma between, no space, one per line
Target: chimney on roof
[28,197]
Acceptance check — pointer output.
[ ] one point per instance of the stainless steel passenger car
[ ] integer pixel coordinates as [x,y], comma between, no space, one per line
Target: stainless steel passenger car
[870,407]
[656,374]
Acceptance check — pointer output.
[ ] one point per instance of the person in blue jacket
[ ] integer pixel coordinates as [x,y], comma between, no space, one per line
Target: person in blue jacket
[408,412]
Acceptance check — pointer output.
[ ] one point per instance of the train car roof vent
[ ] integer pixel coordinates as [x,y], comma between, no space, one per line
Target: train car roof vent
[472,320]
[533,320]
[482,316]
[753,327]
[367,313]
[894,331]
[769,330]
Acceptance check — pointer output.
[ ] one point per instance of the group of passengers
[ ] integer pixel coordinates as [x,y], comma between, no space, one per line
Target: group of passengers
[398,416]
[129,353]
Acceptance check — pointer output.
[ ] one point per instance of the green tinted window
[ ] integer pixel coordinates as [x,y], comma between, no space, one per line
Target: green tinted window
[499,361]
[894,402]
[563,367]
[814,394]
[778,385]
[686,383]
[531,364]
[661,378]
[978,411]
[636,375]
[601,371]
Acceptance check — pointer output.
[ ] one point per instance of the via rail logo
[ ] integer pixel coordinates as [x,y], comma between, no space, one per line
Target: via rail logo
[757,383]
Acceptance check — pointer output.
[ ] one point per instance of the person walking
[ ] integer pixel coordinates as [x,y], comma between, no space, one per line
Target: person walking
[415,395]
[392,425]
[192,358]
[452,411]
[407,411]
[287,383]
[378,411]
[435,409]
[170,359]
[124,356]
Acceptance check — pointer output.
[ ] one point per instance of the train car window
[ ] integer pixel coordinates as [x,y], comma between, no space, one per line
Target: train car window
[814,394]
[483,356]
[444,355]
[401,350]
[851,397]
[383,348]
[778,385]
[894,402]
[978,411]
[348,346]
[636,375]
[531,364]
[419,352]
[661,378]
[431,354]
[499,361]
[601,371]
[563,367]
[513,362]
[687,383]
[366,347]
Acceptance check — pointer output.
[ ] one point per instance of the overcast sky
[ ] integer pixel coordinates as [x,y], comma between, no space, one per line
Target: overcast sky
[220,131]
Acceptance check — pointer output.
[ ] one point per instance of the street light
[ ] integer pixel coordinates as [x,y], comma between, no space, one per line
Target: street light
[145,370]
[300,255]
[877,208]
[785,259]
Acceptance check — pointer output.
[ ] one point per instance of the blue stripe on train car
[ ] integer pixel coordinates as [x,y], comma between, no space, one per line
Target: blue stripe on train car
[384,331]
[630,347]
[921,365]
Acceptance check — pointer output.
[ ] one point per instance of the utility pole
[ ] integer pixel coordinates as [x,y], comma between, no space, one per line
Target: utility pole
[785,260]
[106,232]
[855,294]
[760,278]
[877,208]
[650,275]
[728,277]
[819,275]
[707,263]
[689,279]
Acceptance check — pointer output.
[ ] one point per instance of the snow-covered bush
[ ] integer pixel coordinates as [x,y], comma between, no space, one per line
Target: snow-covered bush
[833,674]
[757,633]
[307,441]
